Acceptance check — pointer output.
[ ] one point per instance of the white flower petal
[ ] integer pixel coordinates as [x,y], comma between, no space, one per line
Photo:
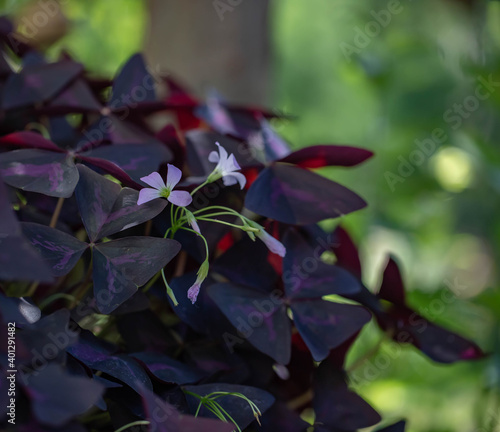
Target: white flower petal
[236,177]
[232,164]
[174,175]
[180,198]
[154,180]
[222,154]
[213,157]
[229,180]
[274,245]
[147,194]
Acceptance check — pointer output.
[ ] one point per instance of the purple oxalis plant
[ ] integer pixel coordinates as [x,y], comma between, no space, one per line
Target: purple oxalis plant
[154,278]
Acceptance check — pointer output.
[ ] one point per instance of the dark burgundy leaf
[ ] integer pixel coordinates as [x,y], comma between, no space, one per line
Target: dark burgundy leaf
[306,276]
[125,212]
[164,417]
[76,98]
[90,349]
[257,316]
[26,139]
[236,407]
[407,326]
[280,418]
[120,266]
[243,271]
[111,168]
[114,129]
[53,396]
[133,85]
[396,427]
[392,288]
[59,250]
[325,325]
[43,171]
[15,253]
[297,196]
[144,331]
[197,315]
[436,342]
[95,196]
[327,155]
[48,338]
[124,369]
[346,252]
[15,250]
[137,160]
[167,369]
[336,407]
[38,83]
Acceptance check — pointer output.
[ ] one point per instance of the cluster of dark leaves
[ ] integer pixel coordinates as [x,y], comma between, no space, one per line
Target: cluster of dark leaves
[94,352]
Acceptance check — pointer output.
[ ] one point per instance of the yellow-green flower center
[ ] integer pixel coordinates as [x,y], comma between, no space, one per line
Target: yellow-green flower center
[165,192]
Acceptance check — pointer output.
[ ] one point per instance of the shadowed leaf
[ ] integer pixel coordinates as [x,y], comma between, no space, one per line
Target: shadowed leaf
[42,171]
[297,196]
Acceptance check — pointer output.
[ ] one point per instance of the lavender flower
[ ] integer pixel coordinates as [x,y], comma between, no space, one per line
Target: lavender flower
[161,190]
[226,168]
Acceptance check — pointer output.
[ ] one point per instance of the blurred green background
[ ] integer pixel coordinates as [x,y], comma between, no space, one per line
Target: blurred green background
[384,92]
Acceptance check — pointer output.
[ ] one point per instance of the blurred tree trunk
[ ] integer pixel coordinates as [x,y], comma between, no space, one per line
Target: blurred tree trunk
[221,44]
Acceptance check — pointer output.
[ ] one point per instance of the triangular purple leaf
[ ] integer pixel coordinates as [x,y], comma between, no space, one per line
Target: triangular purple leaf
[59,250]
[298,196]
[120,266]
[137,160]
[306,276]
[324,325]
[167,369]
[42,171]
[133,84]
[236,407]
[337,407]
[53,396]
[257,316]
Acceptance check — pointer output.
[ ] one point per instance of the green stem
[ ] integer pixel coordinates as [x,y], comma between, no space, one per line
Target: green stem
[198,234]
[199,187]
[135,423]
[170,293]
[151,282]
[221,222]
[218,208]
[55,297]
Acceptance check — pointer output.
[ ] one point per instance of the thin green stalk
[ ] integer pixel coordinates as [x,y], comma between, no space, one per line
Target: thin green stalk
[55,297]
[135,423]
[199,187]
[170,293]
[221,222]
